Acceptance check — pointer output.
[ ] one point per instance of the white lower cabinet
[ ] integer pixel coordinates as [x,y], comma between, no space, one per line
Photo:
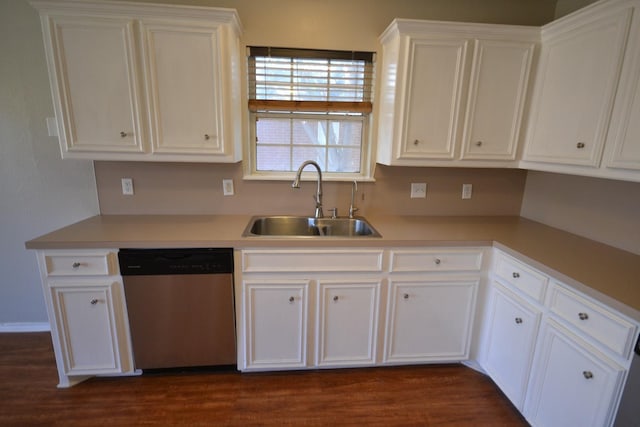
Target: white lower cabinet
[429,321]
[86,325]
[572,383]
[275,324]
[87,312]
[559,355]
[347,323]
[332,304]
[512,328]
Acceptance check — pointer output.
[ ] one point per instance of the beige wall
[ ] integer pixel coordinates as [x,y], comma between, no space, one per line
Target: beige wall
[600,209]
[197,189]
[564,7]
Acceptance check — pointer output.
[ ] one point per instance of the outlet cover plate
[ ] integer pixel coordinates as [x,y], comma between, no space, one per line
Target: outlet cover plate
[418,190]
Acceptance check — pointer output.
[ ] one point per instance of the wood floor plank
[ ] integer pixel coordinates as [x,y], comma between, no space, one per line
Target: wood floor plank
[433,395]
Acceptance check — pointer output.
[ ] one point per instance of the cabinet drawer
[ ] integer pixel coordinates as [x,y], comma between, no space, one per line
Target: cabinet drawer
[593,319]
[519,275]
[103,263]
[436,260]
[300,260]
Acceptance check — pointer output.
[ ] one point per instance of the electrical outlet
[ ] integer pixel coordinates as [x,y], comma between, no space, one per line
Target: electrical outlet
[467,189]
[227,187]
[418,190]
[127,186]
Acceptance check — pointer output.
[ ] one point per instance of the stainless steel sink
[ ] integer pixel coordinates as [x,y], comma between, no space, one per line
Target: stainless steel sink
[298,226]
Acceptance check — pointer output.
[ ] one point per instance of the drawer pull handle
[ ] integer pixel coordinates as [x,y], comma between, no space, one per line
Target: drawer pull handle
[291,300]
[515,274]
[335,298]
[587,374]
[479,144]
[583,316]
[580,145]
[123,134]
[206,136]
[405,296]
[76,265]
[437,261]
[93,301]
[518,320]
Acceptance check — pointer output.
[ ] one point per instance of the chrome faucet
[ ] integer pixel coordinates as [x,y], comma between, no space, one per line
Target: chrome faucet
[318,197]
[352,208]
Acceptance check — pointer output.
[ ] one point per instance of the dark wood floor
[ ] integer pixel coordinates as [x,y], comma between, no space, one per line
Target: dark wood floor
[449,395]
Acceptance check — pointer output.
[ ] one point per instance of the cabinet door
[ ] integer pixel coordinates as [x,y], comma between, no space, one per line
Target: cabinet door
[624,134]
[497,90]
[572,383]
[275,322]
[435,75]
[429,321]
[183,65]
[576,85]
[512,327]
[87,329]
[347,323]
[93,73]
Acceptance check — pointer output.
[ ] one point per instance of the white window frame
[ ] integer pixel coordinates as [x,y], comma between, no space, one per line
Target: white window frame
[367,161]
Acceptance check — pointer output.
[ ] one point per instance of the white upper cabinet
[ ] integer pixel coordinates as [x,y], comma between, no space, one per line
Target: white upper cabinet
[623,140]
[452,94]
[586,103]
[579,68]
[497,92]
[97,96]
[144,82]
[434,74]
[187,94]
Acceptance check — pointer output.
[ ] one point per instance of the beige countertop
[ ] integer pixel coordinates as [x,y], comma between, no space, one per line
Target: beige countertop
[606,273]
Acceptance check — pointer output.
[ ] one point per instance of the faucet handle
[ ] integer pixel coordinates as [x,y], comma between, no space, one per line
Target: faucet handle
[334,213]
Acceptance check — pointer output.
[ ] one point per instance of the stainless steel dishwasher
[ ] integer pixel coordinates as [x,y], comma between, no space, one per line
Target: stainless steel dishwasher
[180,306]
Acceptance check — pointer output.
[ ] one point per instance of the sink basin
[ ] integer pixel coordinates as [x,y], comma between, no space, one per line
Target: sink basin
[298,226]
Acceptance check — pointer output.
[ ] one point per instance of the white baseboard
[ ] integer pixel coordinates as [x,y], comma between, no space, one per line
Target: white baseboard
[474,365]
[25,327]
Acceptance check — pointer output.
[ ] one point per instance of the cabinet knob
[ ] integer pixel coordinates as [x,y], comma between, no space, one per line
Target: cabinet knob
[291,299]
[93,301]
[583,316]
[518,320]
[478,143]
[405,296]
[75,265]
[335,298]
[416,142]
[587,374]
[123,134]
[515,274]
[580,145]
[207,137]
[437,261]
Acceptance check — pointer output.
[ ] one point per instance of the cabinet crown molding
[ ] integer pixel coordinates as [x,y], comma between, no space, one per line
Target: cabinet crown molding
[421,27]
[213,15]
[595,11]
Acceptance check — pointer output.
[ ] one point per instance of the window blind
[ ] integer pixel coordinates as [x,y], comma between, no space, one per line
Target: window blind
[304,80]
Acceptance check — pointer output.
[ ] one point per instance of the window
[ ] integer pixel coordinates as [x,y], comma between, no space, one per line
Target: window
[309,105]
